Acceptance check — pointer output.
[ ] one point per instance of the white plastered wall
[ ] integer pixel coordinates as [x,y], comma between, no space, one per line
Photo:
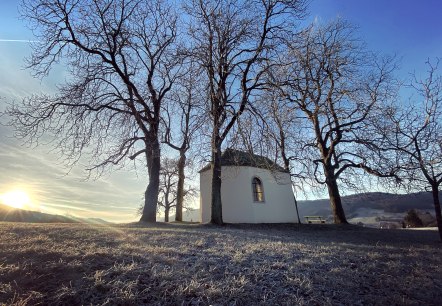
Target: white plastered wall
[237,196]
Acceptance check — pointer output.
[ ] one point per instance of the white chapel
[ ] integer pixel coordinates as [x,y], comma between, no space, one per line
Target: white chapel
[253,190]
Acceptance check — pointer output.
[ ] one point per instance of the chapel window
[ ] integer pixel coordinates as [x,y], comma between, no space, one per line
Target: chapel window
[258,191]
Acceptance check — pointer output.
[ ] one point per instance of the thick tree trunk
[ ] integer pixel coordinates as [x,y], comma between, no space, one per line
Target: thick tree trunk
[151,194]
[217,214]
[435,191]
[335,198]
[180,188]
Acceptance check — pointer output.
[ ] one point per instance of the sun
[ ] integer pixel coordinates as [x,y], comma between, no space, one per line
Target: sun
[15,198]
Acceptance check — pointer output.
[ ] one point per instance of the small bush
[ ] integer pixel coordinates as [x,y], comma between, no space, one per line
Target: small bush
[412,219]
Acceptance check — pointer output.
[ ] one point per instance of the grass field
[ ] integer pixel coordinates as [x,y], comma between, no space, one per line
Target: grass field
[182,264]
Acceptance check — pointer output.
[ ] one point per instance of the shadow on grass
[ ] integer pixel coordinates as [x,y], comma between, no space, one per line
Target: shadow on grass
[167,264]
[338,233]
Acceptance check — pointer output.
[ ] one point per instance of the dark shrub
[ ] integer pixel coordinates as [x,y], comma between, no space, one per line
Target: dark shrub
[412,219]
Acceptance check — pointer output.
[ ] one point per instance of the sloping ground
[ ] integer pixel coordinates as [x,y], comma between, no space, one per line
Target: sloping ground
[10,214]
[19,215]
[178,264]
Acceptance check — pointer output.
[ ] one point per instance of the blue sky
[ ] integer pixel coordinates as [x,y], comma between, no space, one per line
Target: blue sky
[410,29]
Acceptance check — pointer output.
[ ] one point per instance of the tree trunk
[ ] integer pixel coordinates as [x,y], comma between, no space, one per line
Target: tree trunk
[166,213]
[287,168]
[180,188]
[435,191]
[151,194]
[217,214]
[335,198]
[296,206]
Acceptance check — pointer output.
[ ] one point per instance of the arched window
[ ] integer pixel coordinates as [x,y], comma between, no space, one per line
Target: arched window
[258,191]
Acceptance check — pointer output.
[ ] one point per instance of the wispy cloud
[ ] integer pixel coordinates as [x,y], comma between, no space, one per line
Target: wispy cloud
[18,40]
[115,197]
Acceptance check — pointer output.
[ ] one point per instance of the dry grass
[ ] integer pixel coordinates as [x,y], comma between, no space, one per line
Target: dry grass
[175,264]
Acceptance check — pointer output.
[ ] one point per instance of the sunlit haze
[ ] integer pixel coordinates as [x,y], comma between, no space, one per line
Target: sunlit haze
[16,199]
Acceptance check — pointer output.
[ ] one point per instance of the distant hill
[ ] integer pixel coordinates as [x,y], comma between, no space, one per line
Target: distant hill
[11,214]
[365,204]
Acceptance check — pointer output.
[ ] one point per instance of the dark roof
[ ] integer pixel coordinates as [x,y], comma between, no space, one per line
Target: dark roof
[232,157]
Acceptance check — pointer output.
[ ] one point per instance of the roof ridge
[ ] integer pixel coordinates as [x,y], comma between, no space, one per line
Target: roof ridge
[234,157]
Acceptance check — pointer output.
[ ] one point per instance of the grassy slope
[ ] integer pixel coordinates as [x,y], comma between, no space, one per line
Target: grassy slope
[74,264]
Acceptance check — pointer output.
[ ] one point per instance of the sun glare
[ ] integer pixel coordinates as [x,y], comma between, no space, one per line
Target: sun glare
[15,198]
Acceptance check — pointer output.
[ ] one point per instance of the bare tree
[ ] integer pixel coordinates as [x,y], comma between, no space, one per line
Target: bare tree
[122,63]
[335,86]
[169,182]
[414,133]
[167,198]
[232,39]
[188,98]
